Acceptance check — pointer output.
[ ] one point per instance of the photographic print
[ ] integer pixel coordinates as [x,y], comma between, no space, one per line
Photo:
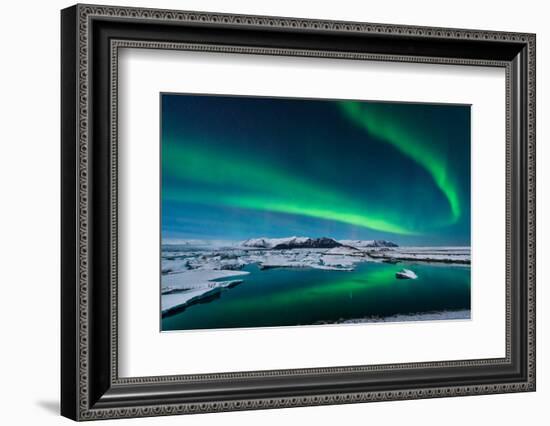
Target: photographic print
[299,212]
[334,214]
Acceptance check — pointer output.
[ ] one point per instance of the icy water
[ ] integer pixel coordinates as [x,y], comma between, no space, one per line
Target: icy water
[289,297]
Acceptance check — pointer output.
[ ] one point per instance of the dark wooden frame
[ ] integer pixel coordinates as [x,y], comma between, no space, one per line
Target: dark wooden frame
[91,37]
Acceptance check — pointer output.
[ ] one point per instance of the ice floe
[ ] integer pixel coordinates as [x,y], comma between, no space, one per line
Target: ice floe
[184,288]
[406,274]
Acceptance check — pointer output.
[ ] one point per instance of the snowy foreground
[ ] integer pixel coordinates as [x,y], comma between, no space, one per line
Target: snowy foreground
[428,316]
[192,272]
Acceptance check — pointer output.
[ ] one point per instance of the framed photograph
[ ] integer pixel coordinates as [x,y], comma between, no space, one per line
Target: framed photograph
[263,212]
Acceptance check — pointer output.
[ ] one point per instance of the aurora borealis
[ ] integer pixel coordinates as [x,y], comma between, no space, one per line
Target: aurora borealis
[420,144]
[241,167]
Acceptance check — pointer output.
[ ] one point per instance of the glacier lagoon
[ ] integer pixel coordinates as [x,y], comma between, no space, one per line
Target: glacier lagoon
[239,287]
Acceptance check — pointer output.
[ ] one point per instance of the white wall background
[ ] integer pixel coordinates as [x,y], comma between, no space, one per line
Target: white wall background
[29,213]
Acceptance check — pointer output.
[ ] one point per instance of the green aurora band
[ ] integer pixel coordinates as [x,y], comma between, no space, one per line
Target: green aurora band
[380,122]
[237,181]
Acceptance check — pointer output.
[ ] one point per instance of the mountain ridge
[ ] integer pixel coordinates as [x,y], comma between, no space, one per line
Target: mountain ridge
[308,242]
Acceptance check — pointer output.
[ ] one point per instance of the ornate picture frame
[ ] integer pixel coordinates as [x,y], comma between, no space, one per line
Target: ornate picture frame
[91,37]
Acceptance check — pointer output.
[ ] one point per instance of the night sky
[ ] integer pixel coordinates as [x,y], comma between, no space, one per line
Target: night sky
[242,167]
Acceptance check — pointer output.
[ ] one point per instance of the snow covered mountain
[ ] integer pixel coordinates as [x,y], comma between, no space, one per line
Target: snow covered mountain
[307,242]
[269,243]
[291,243]
[368,243]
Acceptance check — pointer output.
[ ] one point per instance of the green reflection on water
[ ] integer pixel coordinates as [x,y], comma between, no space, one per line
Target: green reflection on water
[282,297]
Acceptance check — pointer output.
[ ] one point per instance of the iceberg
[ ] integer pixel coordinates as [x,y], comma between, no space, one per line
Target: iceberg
[406,274]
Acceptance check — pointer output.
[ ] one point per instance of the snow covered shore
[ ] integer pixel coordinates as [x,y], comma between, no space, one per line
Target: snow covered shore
[463,314]
[458,255]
